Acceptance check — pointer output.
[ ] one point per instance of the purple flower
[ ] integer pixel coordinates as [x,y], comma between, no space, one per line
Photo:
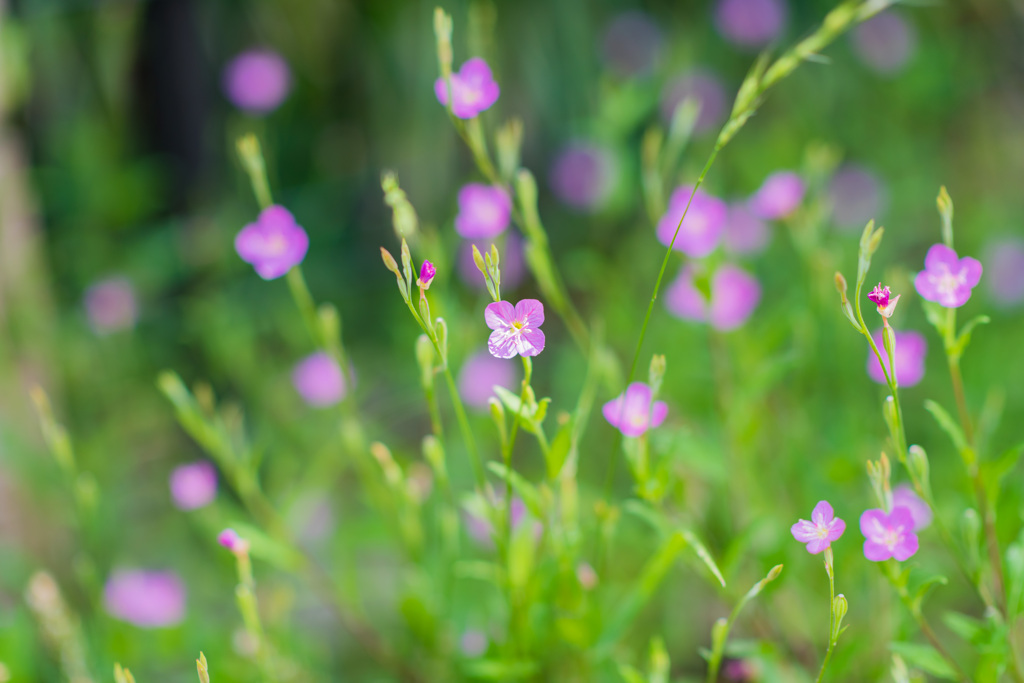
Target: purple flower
[778,196]
[946,278]
[885,42]
[149,599]
[273,244]
[706,89]
[904,496]
[911,349]
[512,266]
[744,232]
[479,526]
[750,23]
[633,413]
[230,539]
[516,329]
[583,176]
[257,81]
[480,374]
[1005,259]
[889,535]
[632,44]
[702,227]
[319,380]
[823,528]
[427,273]
[110,305]
[194,485]
[856,195]
[484,211]
[735,294]
[884,300]
[473,89]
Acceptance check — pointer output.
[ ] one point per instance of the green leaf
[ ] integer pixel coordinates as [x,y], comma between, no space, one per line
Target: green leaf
[970,629]
[936,315]
[964,338]
[926,587]
[924,657]
[559,449]
[527,491]
[703,554]
[952,429]
[993,472]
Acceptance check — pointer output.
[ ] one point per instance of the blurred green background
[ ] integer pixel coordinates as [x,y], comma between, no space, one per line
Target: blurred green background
[117,159]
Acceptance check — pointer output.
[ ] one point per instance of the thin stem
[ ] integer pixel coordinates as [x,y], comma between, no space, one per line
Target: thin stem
[467,431]
[830,570]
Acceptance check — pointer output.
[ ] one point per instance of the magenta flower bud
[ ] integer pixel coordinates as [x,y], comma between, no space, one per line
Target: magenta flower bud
[257,81]
[193,485]
[484,211]
[148,599]
[779,195]
[744,233]
[583,176]
[735,294]
[857,196]
[512,265]
[633,412]
[480,374]
[110,305]
[319,380]
[473,89]
[701,229]
[911,349]
[1005,271]
[632,44]
[704,87]
[888,535]
[427,272]
[904,496]
[750,23]
[946,278]
[886,303]
[516,328]
[230,539]
[823,528]
[273,244]
[885,43]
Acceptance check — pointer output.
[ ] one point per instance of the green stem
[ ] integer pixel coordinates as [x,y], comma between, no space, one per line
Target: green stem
[830,570]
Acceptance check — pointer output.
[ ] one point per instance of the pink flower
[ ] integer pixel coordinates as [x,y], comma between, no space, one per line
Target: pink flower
[427,273]
[319,380]
[484,211]
[516,329]
[257,81]
[889,535]
[273,244]
[632,44]
[911,349]
[823,528]
[904,496]
[702,86]
[884,300]
[480,374]
[633,413]
[583,176]
[473,89]
[947,279]
[148,599]
[193,485]
[744,233]
[885,42]
[750,23]
[110,305]
[512,266]
[230,539]
[702,227]
[779,195]
[1005,259]
[857,196]
[735,294]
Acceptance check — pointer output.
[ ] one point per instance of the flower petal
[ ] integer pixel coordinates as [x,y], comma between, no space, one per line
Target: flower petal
[475,72]
[901,516]
[876,552]
[836,529]
[804,531]
[499,315]
[822,514]
[612,411]
[906,547]
[940,255]
[970,270]
[530,342]
[818,545]
[530,312]
[502,344]
[925,286]
[873,523]
[658,413]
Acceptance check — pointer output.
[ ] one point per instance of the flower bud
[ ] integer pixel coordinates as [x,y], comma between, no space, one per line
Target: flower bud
[204,672]
[917,461]
[839,608]
[427,272]
[230,539]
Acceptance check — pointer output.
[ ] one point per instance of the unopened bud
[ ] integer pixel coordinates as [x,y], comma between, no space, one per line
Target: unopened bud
[427,272]
[839,608]
[917,461]
[204,672]
[230,539]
